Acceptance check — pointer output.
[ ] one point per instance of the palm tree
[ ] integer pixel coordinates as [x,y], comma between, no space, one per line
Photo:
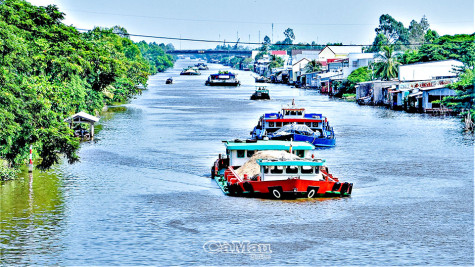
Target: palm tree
[387,67]
[313,66]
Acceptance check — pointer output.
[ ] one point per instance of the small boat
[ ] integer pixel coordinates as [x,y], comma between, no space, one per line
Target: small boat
[169,81]
[292,123]
[223,78]
[261,93]
[190,71]
[286,176]
[201,66]
[261,79]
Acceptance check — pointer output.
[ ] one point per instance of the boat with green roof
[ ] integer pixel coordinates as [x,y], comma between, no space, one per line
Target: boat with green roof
[297,175]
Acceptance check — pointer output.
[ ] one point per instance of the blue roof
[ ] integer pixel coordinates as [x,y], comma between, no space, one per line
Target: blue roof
[268,115]
[312,115]
[268,145]
[317,162]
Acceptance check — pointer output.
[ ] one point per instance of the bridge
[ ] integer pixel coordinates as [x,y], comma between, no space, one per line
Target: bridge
[212,52]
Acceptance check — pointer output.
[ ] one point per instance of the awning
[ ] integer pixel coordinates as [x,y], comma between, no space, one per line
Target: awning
[415,94]
[82,117]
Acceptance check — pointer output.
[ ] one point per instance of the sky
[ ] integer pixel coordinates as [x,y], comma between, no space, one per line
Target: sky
[345,21]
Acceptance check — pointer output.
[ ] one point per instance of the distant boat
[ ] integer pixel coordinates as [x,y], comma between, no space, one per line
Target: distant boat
[223,78]
[261,93]
[190,71]
[201,66]
[261,79]
[169,81]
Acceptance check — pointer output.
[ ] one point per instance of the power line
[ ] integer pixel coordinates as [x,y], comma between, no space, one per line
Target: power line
[254,43]
[245,22]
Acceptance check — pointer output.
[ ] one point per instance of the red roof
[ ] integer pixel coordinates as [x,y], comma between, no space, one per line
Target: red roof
[279,52]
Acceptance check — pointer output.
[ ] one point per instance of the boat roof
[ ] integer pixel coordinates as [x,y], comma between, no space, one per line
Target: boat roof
[268,145]
[304,162]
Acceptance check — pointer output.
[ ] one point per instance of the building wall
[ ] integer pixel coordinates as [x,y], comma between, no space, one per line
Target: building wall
[427,71]
[357,60]
[297,68]
[325,54]
[442,92]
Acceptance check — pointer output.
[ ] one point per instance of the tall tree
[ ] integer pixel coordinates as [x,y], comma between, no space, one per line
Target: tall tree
[313,66]
[386,66]
[267,40]
[289,36]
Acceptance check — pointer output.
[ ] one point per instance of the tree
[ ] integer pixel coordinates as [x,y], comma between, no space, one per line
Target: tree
[387,67]
[289,36]
[313,66]
[267,40]
[392,29]
[276,62]
[464,100]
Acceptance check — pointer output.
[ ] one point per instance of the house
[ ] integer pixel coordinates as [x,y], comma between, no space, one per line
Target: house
[419,95]
[310,54]
[357,60]
[375,92]
[337,64]
[297,69]
[334,51]
[429,70]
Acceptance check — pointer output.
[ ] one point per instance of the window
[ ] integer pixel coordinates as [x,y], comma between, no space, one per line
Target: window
[278,124]
[292,169]
[315,124]
[240,153]
[299,112]
[355,63]
[250,153]
[266,169]
[227,152]
[309,124]
[293,113]
[271,124]
[277,170]
[307,169]
[300,153]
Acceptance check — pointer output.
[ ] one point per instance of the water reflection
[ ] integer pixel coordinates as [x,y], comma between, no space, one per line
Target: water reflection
[31,219]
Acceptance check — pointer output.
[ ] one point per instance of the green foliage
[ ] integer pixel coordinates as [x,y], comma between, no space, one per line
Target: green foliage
[387,67]
[289,36]
[464,100]
[359,75]
[313,66]
[7,173]
[276,62]
[459,46]
[49,71]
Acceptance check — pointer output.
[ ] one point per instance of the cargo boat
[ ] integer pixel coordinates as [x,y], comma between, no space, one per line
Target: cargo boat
[223,78]
[299,177]
[293,123]
[261,93]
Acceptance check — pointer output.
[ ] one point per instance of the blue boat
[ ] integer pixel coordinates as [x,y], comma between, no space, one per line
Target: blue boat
[292,123]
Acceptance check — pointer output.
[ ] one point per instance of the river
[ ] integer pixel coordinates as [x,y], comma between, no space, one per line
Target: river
[142,195]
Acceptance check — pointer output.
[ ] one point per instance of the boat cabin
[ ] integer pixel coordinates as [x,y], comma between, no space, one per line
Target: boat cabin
[239,152]
[305,169]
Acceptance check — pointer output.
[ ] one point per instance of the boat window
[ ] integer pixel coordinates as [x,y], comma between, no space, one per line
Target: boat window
[278,124]
[266,169]
[317,170]
[250,153]
[293,113]
[285,123]
[299,112]
[300,153]
[277,169]
[292,169]
[240,153]
[271,124]
[307,169]
[309,124]
[227,152]
[315,124]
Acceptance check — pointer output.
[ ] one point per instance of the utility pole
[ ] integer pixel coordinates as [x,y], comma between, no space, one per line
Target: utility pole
[272,41]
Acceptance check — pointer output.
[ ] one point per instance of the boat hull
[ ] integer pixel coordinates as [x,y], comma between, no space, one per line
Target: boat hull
[260,96]
[222,83]
[318,141]
[285,189]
